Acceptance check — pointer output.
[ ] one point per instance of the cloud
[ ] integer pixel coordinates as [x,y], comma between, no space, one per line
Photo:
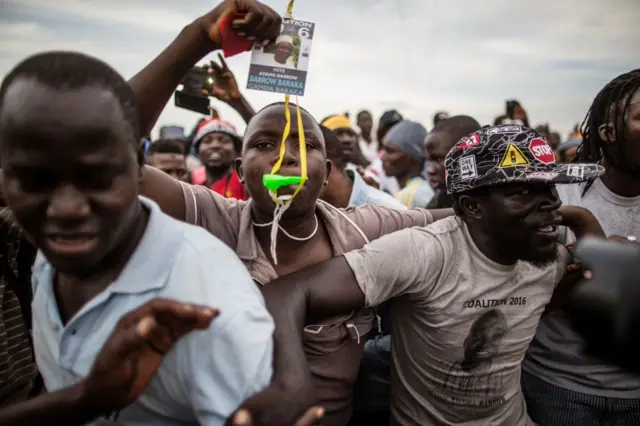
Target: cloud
[138,14]
[462,56]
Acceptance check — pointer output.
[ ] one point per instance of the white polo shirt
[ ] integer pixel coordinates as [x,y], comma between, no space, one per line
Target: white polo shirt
[208,373]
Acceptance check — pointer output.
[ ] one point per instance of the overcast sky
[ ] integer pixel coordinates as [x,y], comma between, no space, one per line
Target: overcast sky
[418,56]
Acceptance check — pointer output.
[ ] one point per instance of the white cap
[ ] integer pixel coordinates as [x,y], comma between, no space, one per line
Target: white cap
[284,38]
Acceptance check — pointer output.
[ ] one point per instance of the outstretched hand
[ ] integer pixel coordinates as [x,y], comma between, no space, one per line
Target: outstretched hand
[369,180]
[309,418]
[224,87]
[275,407]
[133,353]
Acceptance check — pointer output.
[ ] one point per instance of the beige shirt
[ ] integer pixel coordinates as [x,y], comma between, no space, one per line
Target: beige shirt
[333,348]
[461,323]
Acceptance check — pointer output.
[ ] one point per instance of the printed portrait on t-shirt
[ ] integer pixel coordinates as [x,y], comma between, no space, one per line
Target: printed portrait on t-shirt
[470,383]
[483,342]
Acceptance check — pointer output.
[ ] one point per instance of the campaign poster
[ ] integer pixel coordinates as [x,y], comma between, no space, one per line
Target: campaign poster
[282,65]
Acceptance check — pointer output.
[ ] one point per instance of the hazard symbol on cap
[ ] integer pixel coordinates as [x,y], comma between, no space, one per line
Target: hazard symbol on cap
[513,157]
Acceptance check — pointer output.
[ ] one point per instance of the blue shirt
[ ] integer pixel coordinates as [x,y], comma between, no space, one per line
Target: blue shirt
[208,373]
[416,193]
[362,194]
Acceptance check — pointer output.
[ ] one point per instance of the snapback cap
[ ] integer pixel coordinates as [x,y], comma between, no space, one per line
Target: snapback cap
[510,153]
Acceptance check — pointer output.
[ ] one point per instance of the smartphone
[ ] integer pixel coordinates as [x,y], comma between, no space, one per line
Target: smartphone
[191,96]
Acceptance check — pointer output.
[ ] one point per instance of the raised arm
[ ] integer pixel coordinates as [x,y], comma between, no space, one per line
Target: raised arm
[225,88]
[155,84]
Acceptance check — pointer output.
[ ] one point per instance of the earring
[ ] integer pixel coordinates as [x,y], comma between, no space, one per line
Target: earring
[326,182]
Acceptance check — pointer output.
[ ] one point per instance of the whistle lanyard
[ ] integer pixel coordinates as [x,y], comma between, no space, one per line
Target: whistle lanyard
[285,135]
[284,202]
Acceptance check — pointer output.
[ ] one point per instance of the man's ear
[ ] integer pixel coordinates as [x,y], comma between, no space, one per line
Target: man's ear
[470,206]
[238,166]
[329,166]
[607,132]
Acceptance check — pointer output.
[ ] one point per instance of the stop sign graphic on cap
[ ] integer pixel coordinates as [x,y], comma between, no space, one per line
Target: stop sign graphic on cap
[542,151]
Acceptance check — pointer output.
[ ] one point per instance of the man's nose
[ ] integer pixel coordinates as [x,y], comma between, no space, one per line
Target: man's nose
[432,168]
[551,200]
[67,203]
[216,143]
[290,157]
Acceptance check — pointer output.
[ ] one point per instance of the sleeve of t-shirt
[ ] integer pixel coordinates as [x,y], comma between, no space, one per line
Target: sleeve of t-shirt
[405,262]
[230,361]
[376,221]
[211,211]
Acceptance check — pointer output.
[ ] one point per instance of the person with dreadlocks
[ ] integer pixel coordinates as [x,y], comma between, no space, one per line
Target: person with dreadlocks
[563,385]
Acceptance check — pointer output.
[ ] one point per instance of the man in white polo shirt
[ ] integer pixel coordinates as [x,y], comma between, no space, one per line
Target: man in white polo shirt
[142,337]
[69,132]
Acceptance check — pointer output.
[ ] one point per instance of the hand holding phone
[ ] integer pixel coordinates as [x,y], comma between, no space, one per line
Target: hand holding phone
[194,96]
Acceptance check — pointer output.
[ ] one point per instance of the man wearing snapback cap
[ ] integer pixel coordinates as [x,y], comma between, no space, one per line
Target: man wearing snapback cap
[468,291]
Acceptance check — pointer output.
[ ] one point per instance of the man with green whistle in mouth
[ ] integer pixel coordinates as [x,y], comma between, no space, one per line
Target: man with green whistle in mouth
[310,231]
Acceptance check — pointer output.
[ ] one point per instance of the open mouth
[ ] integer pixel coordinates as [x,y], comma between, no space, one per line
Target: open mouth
[548,231]
[71,245]
[287,190]
[214,156]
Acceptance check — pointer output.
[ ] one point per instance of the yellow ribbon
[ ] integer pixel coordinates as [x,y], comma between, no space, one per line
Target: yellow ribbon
[287,130]
[290,8]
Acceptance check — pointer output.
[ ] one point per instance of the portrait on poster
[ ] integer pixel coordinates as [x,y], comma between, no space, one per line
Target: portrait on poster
[282,66]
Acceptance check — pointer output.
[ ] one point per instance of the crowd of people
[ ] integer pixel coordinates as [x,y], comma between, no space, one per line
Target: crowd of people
[417,277]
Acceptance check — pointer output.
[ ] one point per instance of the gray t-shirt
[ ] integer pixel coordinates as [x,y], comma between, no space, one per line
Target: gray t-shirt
[557,354]
[461,323]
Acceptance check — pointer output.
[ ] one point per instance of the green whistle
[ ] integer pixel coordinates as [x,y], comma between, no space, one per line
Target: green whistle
[275,182]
